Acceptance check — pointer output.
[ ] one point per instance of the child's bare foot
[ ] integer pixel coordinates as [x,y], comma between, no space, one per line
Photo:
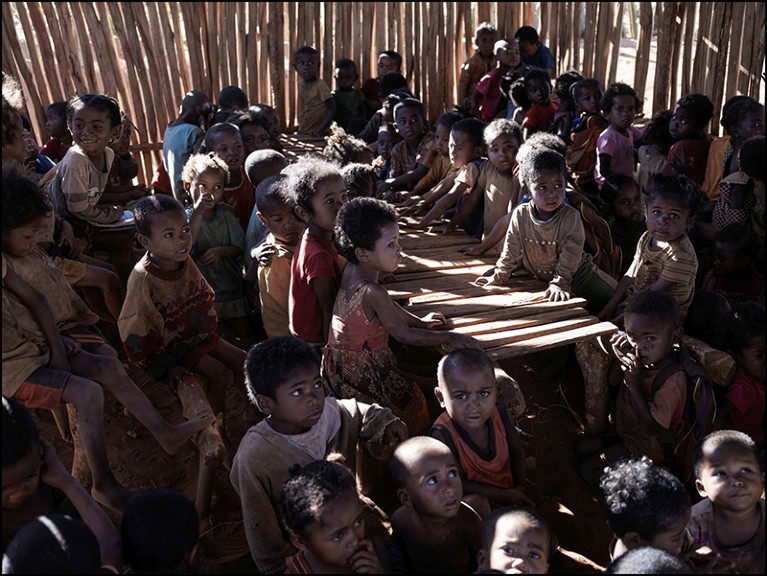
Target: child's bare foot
[61,417]
[178,434]
[111,494]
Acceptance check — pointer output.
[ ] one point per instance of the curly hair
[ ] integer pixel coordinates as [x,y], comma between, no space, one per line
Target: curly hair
[733,112]
[657,130]
[719,438]
[638,496]
[23,199]
[484,28]
[149,206]
[359,223]
[583,84]
[269,364]
[679,189]
[20,433]
[232,98]
[619,89]
[344,148]
[537,74]
[698,106]
[647,560]
[533,161]
[502,126]
[199,163]
[100,102]
[309,489]
[306,174]
[563,85]
[215,130]
[655,304]
[13,104]
[613,185]
[361,179]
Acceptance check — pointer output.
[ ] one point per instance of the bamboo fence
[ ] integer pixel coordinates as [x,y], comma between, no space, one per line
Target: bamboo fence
[149,54]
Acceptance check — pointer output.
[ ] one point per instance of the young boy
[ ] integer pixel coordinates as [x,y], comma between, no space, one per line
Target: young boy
[487,97]
[540,116]
[351,110]
[516,540]
[316,106]
[389,62]
[730,519]
[479,63]
[282,377]
[533,52]
[436,531]
[479,431]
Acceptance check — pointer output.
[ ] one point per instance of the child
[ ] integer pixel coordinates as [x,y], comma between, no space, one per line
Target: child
[545,237]
[516,540]
[218,240]
[282,377]
[615,145]
[318,191]
[743,405]
[540,116]
[231,100]
[653,153]
[361,180]
[648,560]
[622,205]
[389,62]
[411,158]
[277,215]
[478,64]
[27,374]
[35,482]
[254,131]
[436,531]
[730,518]
[343,148]
[689,154]
[316,106]
[269,116]
[479,431]
[387,138]
[120,188]
[645,505]
[641,415]
[329,523]
[60,137]
[160,533]
[226,141]
[351,106]
[487,97]
[562,123]
[168,323]
[664,258]
[733,273]
[357,361]
[533,52]
[183,137]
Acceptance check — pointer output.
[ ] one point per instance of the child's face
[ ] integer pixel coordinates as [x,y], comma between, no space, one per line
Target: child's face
[751,358]
[547,190]
[254,137]
[228,146]
[339,534]
[752,124]
[652,338]
[409,124]
[170,240]
[298,402]
[502,152]
[666,219]
[386,253]
[211,182]
[275,128]
[538,90]
[469,395]
[623,112]
[386,65]
[442,139]
[92,130]
[508,55]
[281,221]
[20,241]
[328,198]
[56,125]
[682,125]
[15,149]
[485,43]
[22,479]
[587,100]
[726,261]
[435,488]
[672,539]
[730,477]
[627,204]
[346,77]
[528,49]
[462,149]
[307,66]
[519,547]
[386,143]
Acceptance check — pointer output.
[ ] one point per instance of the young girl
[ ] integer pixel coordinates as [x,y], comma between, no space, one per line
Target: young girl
[654,151]
[344,148]
[318,190]
[689,154]
[567,112]
[269,116]
[253,129]
[733,273]
[387,138]
[218,239]
[333,529]
[360,180]
[357,361]
[622,204]
[545,237]
[664,258]
[540,116]
[615,146]
[60,137]
[587,126]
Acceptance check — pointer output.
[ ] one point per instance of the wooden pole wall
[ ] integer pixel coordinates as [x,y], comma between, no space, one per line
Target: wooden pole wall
[148,55]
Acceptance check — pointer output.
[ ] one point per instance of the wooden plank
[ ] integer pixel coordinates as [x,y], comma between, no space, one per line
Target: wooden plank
[436,259]
[439,284]
[466,290]
[521,311]
[490,302]
[468,272]
[550,341]
[523,335]
[432,240]
[735,47]
[503,325]
[54,28]
[616,43]
[724,26]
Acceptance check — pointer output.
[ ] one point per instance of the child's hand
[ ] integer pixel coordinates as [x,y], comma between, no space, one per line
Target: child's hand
[204,203]
[210,257]
[457,341]
[395,433]
[52,470]
[433,320]
[263,253]
[471,250]
[365,560]
[71,345]
[487,281]
[139,192]
[67,240]
[391,196]
[556,294]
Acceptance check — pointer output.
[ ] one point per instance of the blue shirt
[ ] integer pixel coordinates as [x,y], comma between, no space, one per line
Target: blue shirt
[541,59]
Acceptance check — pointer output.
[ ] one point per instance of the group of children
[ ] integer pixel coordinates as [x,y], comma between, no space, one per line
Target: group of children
[353,462]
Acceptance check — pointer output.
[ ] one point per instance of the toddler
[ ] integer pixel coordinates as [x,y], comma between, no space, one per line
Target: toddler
[268,116]
[540,116]
[479,63]
[615,145]
[587,125]
[259,165]
[479,431]
[562,123]
[534,53]
[351,106]
[389,62]
[387,138]
[733,273]
[318,191]
[622,205]
[545,237]
[730,518]
[435,529]
[516,540]
[357,361]
[316,106]
[253,129]
[333,529]
[60,137]
[487,97]
[282,378]
[689,154]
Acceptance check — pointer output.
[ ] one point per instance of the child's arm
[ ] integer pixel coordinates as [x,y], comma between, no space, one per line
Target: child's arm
[429,198]
[204,202]
[75,188]
[474,196]
[632,379]
[618,296]
[604,165]
[330,112]
[404,180]
[496,235]
[509,260]
[324,289]
[54,474]
[443,204]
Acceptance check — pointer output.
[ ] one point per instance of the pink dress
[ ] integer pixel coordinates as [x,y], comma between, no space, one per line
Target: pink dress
[358,363]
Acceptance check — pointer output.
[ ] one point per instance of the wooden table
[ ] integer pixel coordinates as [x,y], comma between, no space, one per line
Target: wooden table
[294,146]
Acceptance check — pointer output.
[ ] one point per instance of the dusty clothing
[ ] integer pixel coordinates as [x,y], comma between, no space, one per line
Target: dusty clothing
[440,169]
[489,88]
[178,143]
[540,117]
[168,317]
[472,72]
[274,289]
[312,95]
[692,155]
[403,160]
[344,424]
[747,395]
[242,199]
[620,149]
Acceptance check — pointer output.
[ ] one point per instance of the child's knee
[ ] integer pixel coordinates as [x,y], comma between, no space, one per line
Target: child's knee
[84,394]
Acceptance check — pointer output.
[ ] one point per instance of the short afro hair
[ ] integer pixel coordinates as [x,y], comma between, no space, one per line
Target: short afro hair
[149,206]
[359,223]
[657,304]
[270,363]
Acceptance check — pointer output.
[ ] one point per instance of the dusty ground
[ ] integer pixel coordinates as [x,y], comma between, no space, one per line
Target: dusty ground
[551,382]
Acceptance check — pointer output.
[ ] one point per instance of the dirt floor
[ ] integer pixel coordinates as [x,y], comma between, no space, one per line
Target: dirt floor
[552,385]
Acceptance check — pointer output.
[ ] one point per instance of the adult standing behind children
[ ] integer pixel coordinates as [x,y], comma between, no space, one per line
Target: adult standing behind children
[316,107]
[533,52]
[478,64]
